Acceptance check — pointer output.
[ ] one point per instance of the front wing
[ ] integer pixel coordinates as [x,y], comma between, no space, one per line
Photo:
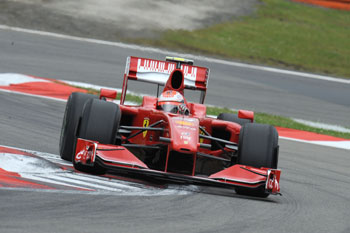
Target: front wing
[118,159]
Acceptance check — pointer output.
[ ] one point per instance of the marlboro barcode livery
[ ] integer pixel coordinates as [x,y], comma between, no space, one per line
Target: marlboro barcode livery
[158,72]
[168,137]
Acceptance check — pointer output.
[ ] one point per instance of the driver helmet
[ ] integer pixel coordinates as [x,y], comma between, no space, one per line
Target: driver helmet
[170,101]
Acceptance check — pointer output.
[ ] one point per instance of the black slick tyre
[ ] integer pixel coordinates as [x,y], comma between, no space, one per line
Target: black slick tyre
[71,117]
[258,147]
[99,122]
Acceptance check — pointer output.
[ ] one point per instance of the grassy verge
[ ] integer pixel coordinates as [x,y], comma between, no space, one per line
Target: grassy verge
[281,33]
[259,117]
[281,122]
[289,123]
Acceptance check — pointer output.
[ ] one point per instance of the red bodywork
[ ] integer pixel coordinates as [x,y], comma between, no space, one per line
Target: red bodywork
[179,144]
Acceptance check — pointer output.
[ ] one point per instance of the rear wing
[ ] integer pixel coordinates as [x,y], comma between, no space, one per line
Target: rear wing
[158,72]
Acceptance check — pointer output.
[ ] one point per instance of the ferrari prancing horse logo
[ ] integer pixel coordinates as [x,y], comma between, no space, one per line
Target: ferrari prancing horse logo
[145,124]
[201,140]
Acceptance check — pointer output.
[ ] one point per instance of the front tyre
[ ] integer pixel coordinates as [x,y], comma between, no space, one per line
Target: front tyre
[71,117]
[99,122]
[258,147]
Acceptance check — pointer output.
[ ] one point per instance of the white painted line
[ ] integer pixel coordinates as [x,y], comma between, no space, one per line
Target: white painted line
[98,87]
[335,144]
[166,52]
[33,95]
[68,191]
[68,180]
[320,125]
[6,79]
[88,85]
[50,181]
[100,180]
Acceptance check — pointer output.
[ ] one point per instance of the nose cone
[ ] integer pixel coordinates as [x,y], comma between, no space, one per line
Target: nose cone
[184,132]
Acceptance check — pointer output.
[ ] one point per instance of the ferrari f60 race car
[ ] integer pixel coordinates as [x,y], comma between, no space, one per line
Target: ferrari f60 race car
[168,137]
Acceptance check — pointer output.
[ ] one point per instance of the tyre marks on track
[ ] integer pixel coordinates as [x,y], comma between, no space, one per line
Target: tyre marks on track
[26,169]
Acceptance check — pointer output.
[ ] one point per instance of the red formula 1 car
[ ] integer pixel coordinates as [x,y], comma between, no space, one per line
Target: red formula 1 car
[168,137]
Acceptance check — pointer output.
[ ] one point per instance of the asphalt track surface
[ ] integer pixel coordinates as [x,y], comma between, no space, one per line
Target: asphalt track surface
[229,86]
[315,179]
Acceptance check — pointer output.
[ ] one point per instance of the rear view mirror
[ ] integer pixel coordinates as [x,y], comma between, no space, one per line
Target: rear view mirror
[106,93]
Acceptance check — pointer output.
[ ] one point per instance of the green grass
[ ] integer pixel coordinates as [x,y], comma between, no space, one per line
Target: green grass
[281,33]
[289,123]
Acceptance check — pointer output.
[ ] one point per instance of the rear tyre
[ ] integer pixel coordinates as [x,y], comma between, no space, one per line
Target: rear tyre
[72,113]
[233,118]
[223,134]
[99,122]
[258,147]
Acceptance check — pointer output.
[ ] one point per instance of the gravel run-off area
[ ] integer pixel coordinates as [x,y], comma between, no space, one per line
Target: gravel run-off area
[118,19]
